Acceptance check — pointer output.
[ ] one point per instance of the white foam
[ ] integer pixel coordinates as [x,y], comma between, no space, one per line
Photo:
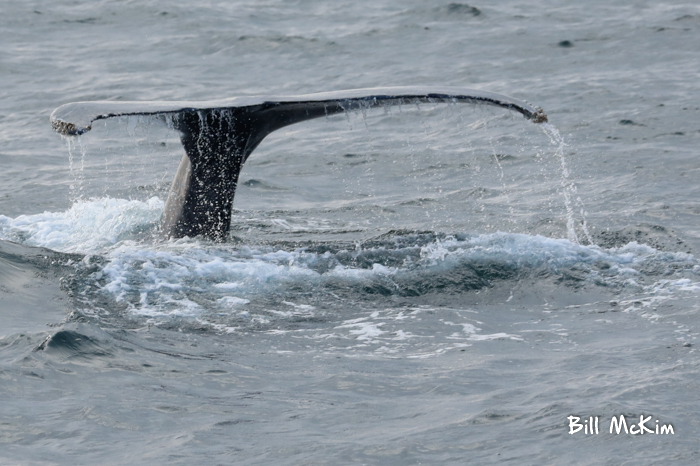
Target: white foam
[362,330]
[232,301]
[227,286]
[302,308]
[88,226]
[669,286]
[172,277]
[495,336]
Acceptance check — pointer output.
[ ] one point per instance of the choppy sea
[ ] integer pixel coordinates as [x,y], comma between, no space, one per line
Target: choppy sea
[430,284]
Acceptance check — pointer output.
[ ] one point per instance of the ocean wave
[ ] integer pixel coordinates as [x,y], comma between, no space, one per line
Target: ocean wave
[190,277]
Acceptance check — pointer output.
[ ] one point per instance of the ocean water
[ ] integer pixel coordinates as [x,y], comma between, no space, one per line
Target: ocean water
[432,284]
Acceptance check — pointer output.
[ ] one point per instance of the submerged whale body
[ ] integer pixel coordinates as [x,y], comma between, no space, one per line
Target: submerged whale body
[219,136]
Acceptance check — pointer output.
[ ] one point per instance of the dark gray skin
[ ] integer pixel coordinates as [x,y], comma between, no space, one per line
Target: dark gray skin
[219,136]
[217,143]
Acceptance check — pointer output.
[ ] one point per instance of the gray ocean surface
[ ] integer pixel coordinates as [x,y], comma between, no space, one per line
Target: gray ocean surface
[433,284]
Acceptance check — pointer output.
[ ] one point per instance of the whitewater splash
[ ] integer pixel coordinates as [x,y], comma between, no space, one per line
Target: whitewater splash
[189,277]
[88,227]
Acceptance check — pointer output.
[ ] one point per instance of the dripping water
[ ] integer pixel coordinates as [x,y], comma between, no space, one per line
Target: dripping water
[568,188]
[501,174]
[77,172]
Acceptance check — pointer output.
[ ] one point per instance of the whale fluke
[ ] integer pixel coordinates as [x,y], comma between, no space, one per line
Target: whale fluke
[219,136]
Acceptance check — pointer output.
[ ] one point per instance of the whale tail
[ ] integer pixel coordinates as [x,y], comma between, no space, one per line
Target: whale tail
[219,136]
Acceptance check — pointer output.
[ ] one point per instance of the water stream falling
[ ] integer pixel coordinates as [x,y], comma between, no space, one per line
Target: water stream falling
[569,190]
[77,173]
